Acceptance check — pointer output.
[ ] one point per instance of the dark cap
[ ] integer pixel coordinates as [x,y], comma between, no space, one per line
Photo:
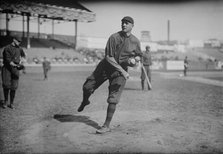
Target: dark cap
[128,19]
[18,38]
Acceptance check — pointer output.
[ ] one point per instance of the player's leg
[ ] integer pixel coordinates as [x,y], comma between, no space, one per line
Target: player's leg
[87,91]
[44,74]
[6,84]
[142,84]
[12,97]
[6,94]
[14,86]
[94,81]
[116,86]
[185,73]
[149,76]
[142,78]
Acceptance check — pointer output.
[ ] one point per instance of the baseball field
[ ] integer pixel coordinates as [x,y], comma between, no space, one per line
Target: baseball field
[179,115]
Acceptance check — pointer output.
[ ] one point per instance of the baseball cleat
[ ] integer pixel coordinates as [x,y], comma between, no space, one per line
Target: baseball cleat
[103,130]
[82,106]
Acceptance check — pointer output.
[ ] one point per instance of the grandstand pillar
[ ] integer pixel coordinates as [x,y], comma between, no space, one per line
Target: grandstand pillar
[52,28]
[7,24]
[168,31]
[28,39]
[75,37]
[38,24]
[23,26]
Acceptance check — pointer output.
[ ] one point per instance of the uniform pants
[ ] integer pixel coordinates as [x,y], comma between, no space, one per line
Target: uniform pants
[104,71]
[148,72]
[10,78]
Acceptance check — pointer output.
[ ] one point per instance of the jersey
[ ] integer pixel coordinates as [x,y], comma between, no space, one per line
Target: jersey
[147,59]
[46,65]
[122,47]
[12,53]
[186,63]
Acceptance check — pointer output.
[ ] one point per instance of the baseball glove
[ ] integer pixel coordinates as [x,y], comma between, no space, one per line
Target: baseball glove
[20,66]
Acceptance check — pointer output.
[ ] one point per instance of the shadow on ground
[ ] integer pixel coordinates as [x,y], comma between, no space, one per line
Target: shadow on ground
[136,89]
[76,118]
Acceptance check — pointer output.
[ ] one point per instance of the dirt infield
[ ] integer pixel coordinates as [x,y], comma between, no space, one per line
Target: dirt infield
[177,116]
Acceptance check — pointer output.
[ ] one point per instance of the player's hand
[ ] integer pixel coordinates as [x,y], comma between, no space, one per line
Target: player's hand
[126,75]
[20,66]
[132,61]
[137,58]
[13,64]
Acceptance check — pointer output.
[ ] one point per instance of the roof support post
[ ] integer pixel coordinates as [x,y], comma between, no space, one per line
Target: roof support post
[23,26]
[38,24]
[28,38]
[7,24]
[75,37]
[52,28]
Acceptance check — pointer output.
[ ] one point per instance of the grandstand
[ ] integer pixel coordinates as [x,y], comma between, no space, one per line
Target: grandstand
[60,51]
[38,45]
[50,48]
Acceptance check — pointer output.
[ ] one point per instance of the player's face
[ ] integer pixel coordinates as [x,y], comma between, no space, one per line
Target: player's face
[127,26]
[147,48]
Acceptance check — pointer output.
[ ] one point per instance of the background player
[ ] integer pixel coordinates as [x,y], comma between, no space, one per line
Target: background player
[146,62]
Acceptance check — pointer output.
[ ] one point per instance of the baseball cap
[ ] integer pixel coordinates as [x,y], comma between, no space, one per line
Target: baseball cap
[18,38]
[147,46]
[128,19]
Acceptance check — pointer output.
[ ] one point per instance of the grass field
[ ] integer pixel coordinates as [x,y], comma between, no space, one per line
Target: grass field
[177,116]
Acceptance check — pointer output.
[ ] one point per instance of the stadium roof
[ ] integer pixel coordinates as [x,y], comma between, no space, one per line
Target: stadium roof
[52,9]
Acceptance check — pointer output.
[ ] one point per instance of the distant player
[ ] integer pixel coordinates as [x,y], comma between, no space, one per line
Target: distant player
[146,62]
[46,67]
[119,52]
[186,63]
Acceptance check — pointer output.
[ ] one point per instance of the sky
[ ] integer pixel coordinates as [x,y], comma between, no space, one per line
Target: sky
[189,19]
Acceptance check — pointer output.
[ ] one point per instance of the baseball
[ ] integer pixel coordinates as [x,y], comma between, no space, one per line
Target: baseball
[137,58]
[132,61]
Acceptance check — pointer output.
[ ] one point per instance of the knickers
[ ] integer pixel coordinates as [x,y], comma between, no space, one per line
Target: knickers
[104,71]
[10,80]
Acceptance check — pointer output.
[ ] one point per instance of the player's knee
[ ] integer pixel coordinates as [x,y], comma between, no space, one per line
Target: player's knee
[6,86]
[87,89]
[112,100]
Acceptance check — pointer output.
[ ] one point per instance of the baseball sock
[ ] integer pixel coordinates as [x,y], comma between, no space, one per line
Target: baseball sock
[110,112]
[86,96]
[6,93]
[12,96]
[142,83]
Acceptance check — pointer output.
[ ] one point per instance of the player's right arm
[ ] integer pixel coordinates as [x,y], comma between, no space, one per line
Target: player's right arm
[112,61]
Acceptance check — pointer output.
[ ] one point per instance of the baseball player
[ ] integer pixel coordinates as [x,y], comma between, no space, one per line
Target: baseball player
[12,54]
[186,63]
[46,67]
[120,47]
[146,62]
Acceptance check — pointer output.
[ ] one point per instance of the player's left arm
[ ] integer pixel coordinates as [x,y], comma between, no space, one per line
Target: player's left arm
[137,53]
